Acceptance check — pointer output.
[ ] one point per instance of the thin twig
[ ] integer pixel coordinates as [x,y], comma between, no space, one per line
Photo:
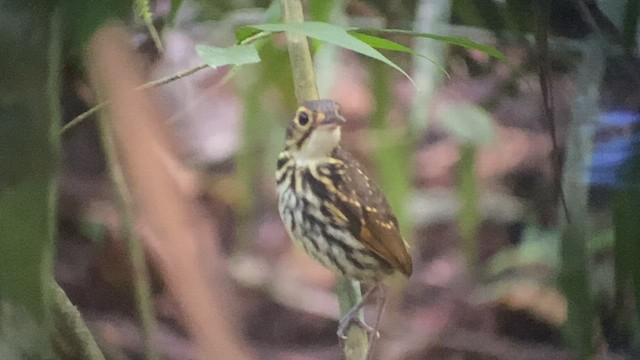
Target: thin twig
[546,87]
[157,83]
[304,77]
[146,16]
[348,291]
[155,37]
[146,86]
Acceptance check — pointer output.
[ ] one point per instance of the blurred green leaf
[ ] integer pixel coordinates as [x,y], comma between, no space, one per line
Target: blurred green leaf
[539,247]
[234,55]
[144,11]
[21,337]
[320,10]
[480,13]
[30,71]
[451,40]
[382,43]
[243,33]
[83,17]
[273,14]
[175,9]
[468,123]
[334,35]
[468,216]
[94,230]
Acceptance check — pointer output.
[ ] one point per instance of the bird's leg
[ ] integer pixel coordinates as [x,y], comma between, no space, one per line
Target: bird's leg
[352,316]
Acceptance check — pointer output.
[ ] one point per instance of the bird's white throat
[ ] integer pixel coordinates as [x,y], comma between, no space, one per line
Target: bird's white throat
[320,144]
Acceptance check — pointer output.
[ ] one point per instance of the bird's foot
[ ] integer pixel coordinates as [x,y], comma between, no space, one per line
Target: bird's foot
[347,321]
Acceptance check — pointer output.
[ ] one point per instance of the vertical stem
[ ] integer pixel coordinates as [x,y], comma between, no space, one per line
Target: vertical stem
[348,291]
[431,17]
[574,273]
[349,295]
[468,216]
[70,325]
[299,53]
[136,253]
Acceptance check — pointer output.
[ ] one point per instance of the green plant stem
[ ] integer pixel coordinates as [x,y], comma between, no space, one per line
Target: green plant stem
[66,318]
[574,279]
[349,295]
[348,291]
[468,215]
[70,325]
[145,14]
[136,252]
[299,53]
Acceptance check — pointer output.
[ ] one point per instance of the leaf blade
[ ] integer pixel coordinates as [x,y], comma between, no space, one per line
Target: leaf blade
[386,44]
[451,40]
[332,34]
[468,123]
[233,55]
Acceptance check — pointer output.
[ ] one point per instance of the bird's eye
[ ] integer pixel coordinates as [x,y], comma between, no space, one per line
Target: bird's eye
[303,118]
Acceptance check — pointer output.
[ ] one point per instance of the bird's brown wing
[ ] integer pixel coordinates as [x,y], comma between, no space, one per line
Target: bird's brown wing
[370,216]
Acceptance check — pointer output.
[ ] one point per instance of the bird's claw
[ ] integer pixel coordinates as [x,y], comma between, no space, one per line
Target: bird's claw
[346,323]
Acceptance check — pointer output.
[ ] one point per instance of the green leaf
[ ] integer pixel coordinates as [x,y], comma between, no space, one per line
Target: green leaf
[31,67]
[386,44]
[234,55]
[468,123]
[273,14]
[320,10]
[451,40]
[332,34]
[175,9]
[244,33]
[143,9]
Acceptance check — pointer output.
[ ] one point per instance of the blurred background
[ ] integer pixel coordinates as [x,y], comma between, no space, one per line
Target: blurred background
[520,204]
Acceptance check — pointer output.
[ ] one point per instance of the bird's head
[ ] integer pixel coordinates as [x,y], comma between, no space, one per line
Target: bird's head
[314,131]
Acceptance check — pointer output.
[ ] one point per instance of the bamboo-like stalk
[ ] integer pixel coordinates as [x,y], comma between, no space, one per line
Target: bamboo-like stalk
[70,325]
[301,65]
[66,317]
[348,291]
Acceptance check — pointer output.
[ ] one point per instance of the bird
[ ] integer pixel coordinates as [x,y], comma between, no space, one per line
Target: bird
[332,208]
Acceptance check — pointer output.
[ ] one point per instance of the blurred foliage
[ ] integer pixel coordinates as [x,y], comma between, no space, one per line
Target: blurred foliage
[29,118]
[29,153]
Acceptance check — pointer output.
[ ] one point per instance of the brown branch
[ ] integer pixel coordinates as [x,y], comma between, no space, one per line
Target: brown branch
[173,222]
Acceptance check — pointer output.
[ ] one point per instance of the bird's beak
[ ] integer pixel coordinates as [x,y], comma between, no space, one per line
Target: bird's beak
[333,120]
